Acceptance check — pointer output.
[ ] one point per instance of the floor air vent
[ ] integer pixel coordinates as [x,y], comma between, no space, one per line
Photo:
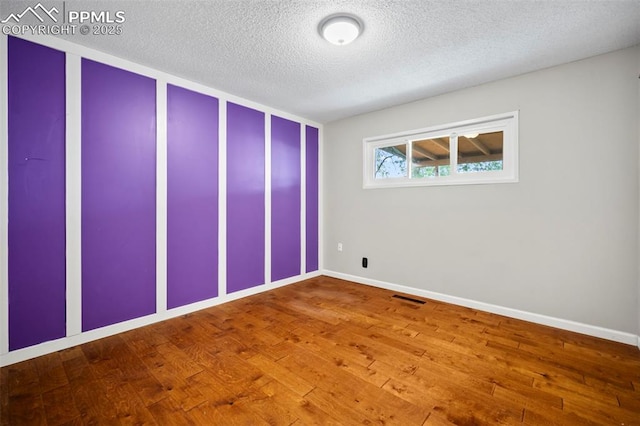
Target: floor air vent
[408,299]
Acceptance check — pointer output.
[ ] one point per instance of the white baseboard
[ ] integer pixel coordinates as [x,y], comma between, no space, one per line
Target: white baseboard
[89,336]
[564,324]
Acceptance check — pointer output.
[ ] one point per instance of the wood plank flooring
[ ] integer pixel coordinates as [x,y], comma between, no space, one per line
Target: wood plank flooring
[330,352]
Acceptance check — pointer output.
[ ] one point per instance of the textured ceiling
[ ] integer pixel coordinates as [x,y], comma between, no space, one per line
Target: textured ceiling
[271,52]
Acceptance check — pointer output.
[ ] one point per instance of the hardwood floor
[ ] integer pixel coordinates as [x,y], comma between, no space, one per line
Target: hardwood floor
[326,351]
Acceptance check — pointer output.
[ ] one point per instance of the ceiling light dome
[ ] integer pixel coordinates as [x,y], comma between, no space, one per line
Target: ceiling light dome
[340,29]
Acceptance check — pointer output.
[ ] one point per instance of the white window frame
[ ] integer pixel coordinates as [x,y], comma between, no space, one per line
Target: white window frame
[507,123]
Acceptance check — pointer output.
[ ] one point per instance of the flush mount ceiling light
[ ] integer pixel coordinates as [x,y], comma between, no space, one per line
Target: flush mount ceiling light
[340,29]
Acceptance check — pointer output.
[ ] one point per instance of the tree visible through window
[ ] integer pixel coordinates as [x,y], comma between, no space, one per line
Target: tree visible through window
[391,162]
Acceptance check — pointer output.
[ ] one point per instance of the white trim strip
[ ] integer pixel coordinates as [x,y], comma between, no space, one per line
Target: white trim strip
[320,199]
[161,196]
[4,196]
[73,193]
[267,198]
[564,324]
[453,154]
[303,198]
[222,198]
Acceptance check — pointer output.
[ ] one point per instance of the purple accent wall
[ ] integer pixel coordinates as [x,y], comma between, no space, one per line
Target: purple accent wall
[37,288]
[192,196]
[118,195]
[312,198]
[245,197]
[285,198]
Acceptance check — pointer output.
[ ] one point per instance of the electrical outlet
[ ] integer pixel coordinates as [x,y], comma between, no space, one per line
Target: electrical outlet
[339,246]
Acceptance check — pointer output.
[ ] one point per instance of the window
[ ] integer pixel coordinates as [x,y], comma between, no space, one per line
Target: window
[483,150]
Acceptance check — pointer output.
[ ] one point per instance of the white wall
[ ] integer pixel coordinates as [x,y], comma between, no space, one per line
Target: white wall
[563,242]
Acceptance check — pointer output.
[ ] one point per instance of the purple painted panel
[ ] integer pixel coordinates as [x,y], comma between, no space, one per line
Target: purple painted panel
[192,197]
[245,197]
[312,198]
[285,198]
[118,195]
[37,289]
